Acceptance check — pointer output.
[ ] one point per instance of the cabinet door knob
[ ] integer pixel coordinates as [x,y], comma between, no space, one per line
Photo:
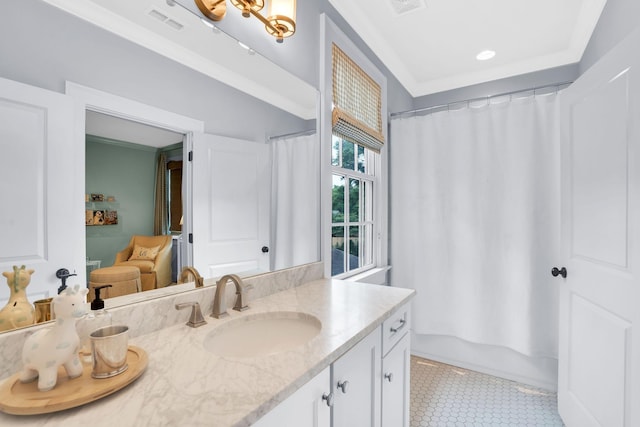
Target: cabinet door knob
[328,398]
[388,376]
[555,271]
[342,385]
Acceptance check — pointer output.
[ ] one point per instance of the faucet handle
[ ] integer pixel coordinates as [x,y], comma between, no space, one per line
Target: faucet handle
[240,296]
[196,318]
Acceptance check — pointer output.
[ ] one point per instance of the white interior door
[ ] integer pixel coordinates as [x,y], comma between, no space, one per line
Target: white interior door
[38,225]
[231,195]
[599,353]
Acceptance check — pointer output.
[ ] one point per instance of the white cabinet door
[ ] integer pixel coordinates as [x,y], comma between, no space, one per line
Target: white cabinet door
[396,380]
[230,205]
[356,384]
[599,347]
[305,408]
[41,217]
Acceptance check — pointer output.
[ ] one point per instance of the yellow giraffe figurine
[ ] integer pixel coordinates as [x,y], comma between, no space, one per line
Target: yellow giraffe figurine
[19,311]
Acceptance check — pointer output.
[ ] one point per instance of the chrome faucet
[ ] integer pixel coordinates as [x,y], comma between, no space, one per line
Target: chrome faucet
[219,303]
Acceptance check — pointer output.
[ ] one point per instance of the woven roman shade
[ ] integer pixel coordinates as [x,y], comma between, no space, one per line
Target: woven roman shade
[357,103]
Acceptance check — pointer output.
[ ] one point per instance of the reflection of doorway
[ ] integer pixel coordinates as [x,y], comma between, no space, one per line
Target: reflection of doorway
[121,160]
[174,190]
[86,98]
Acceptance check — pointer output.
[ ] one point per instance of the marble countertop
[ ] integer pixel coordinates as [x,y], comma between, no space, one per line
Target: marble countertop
[185,384]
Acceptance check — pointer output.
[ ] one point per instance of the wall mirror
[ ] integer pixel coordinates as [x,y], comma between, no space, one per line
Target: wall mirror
[292,114]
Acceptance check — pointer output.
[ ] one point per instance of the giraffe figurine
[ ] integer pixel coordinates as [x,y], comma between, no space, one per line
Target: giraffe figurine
[19,311]
[48,348]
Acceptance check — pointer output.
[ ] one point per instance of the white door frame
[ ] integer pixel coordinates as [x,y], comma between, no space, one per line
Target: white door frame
[86,98]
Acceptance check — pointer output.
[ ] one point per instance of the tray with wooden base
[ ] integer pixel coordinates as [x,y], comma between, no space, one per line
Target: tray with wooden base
[25,399]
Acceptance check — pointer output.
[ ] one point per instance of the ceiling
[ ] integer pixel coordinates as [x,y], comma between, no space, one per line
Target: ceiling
[431,45]
[119,129]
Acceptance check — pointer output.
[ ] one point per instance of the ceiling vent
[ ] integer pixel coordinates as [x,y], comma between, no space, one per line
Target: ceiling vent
[404,6]
[162,17]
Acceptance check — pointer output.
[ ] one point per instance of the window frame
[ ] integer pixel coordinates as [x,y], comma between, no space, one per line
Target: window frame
[331,34]
[369,176]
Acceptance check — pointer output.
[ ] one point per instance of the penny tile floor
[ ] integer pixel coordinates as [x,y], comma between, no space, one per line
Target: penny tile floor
[447,396]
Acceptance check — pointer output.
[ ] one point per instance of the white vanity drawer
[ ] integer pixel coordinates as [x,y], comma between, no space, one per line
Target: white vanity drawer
[395,327]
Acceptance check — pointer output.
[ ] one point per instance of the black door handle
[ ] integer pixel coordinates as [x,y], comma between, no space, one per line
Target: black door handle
[63,274]
[562,272]
[265,249]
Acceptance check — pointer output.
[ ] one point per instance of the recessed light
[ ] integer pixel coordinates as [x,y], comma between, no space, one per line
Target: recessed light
[243,45]
[485,54]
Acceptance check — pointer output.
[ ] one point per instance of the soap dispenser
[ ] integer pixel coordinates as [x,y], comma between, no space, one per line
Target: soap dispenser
[97,318]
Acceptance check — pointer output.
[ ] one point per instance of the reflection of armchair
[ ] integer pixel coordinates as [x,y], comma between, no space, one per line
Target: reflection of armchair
[155,271]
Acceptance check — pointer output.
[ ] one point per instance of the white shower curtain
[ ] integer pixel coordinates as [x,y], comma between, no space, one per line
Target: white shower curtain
[295,201]
[475,221]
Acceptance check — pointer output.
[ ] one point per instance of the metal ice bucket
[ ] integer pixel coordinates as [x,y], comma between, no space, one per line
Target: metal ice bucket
[109,346]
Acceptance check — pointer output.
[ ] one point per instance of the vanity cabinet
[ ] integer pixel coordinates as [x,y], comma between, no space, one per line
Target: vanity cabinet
[396,368]
[356,384]
[305,408]
[368,386]
[395,385]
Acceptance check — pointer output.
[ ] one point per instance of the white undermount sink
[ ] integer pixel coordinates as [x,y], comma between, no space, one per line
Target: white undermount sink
[262,334]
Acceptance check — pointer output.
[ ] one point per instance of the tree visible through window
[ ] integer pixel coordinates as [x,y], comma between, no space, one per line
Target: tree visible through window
[352,225]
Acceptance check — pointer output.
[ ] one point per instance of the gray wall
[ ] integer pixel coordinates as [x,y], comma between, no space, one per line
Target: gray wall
[618,19]
[300,54]
[43,46]
[567,73]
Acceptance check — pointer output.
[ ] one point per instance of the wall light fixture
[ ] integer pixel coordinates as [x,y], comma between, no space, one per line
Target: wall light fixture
[281,14]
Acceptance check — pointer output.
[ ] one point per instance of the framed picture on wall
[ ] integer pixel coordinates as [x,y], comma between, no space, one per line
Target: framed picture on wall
[110,217]
[98,217]
[97,197]
[88,217]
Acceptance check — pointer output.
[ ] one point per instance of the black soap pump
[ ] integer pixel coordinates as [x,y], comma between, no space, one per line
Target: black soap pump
[97,304]
[97,318]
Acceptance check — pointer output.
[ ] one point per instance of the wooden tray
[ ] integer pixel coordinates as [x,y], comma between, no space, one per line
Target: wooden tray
[25,399]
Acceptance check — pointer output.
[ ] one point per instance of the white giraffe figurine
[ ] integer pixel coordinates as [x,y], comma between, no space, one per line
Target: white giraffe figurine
[47,349]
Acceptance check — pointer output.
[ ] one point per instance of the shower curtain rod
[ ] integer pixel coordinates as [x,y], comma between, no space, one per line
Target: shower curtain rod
[291,135]
[558,86]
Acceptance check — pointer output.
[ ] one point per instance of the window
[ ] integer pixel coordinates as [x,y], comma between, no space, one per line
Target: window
[354,123]
[352,219]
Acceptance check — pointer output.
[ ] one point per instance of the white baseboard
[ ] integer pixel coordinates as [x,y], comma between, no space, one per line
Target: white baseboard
[493,360]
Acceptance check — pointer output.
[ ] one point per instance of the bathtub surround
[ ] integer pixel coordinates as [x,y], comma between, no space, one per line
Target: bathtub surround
[151,315]
[489,359]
